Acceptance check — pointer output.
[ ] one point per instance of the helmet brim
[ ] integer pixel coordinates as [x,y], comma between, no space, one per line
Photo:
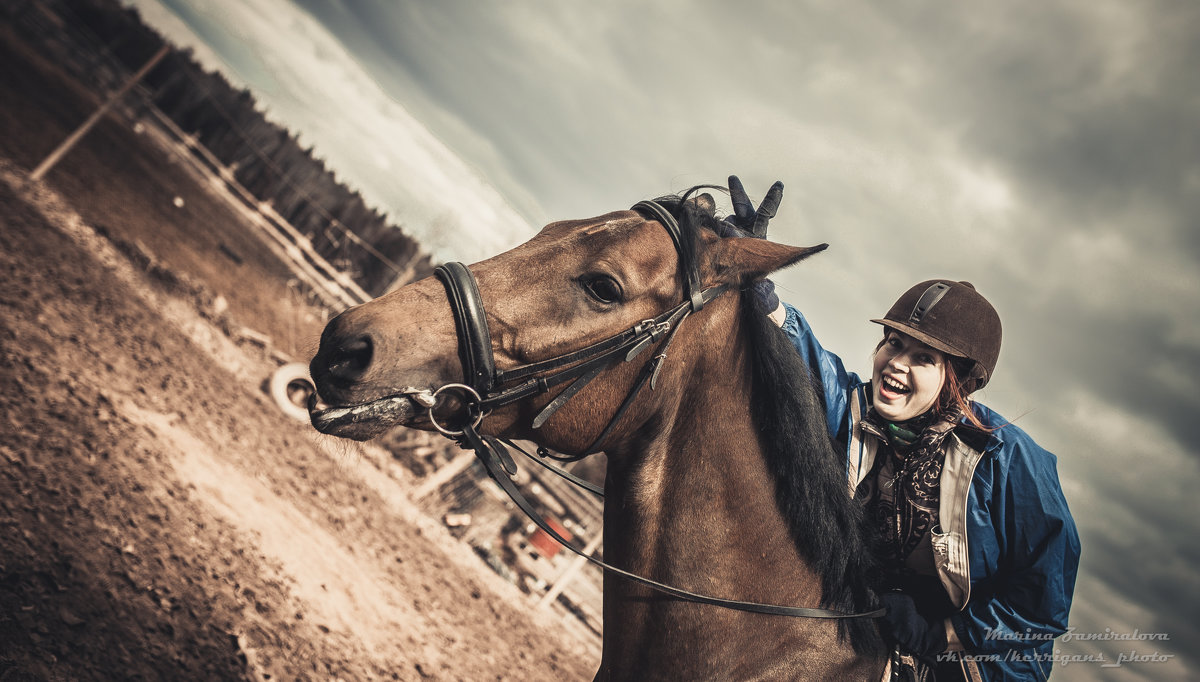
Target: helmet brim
[922,337]
[978,375]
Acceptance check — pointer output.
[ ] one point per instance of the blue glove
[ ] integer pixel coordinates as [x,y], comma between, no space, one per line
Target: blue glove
[905,626]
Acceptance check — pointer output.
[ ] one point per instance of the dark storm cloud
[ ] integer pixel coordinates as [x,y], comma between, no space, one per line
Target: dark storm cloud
[1090,107]
[1090,110]
[572,97]
[1137,567]
[496,83]
[1114,360]
[1086,107]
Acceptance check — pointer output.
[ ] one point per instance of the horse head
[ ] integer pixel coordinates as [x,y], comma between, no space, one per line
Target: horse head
[573,285]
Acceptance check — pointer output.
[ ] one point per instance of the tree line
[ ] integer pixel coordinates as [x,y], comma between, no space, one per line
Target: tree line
[265,158]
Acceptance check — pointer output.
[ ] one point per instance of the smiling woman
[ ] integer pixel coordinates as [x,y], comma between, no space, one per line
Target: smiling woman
[963,335]
[976,544]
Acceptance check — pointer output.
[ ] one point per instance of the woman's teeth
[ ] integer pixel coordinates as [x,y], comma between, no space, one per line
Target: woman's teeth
[894,385]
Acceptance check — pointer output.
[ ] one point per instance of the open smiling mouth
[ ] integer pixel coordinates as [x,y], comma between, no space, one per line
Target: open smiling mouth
[894,386]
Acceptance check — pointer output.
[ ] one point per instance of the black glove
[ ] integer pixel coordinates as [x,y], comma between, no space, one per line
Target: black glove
[764,297]
[905,626]
[745,218]
[748,222]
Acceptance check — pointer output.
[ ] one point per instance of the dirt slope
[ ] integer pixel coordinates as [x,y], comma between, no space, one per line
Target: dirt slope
[160,520]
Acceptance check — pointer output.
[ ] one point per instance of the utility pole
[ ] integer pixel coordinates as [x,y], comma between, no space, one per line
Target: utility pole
[74,138]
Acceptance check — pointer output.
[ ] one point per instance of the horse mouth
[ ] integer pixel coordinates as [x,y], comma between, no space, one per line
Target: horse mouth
[360,422]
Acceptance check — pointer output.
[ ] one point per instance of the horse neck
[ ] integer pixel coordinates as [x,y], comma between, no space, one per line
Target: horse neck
[680,499]
[692,503]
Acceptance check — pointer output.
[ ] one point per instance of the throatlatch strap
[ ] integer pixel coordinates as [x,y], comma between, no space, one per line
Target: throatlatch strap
[558,471]
[474,341]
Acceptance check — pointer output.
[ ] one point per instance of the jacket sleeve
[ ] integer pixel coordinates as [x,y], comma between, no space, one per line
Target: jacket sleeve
[1026,601]
[826,367]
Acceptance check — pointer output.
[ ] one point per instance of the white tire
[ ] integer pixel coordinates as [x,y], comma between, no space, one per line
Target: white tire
[290,388]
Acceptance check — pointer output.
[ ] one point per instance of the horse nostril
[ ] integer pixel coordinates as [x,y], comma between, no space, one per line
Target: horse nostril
[350,360]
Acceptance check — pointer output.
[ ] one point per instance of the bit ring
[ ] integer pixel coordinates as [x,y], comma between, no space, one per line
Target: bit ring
[471,393]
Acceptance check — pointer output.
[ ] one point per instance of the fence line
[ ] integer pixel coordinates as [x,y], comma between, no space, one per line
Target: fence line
[296,249]
[90,54]
[284,179]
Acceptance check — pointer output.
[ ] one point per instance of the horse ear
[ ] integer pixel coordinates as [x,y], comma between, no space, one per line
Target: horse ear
[742,260]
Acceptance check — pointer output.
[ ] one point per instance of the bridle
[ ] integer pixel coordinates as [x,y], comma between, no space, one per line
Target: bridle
[481,392]
[581,366]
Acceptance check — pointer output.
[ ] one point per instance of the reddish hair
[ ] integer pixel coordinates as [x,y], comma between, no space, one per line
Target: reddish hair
[954,394]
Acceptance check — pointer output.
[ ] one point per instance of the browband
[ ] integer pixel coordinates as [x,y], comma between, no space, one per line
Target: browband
[474,340]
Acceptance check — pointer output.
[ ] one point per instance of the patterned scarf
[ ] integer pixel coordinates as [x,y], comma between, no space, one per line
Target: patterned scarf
[905,509]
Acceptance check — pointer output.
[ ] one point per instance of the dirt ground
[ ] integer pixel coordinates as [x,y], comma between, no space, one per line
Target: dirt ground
[160,519]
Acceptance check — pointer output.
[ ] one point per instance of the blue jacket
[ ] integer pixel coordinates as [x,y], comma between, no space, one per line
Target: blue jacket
[1006,547]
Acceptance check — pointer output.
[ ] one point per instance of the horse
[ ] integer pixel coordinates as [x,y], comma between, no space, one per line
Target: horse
[721,476]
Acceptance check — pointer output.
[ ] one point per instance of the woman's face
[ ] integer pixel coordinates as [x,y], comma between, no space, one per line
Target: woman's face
[906,378]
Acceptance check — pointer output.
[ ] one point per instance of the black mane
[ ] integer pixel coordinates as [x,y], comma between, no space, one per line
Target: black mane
[811,484]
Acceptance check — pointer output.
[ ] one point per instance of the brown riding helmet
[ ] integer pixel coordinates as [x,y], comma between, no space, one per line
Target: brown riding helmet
[953,318]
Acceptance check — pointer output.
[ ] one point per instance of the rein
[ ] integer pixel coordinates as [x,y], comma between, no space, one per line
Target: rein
[481,395]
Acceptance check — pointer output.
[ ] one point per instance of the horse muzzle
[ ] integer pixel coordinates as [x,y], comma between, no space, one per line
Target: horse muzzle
[346,404]
[371,376]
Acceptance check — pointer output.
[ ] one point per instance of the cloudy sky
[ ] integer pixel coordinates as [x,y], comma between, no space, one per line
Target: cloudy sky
[1049,152]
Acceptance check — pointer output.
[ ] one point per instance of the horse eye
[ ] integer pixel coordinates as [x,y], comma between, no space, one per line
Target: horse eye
[603,288]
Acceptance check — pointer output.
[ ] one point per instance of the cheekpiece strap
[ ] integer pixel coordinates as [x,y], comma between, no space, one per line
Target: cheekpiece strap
[691,278]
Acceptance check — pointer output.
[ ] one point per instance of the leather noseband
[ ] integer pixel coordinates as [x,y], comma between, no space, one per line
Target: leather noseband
[474,341]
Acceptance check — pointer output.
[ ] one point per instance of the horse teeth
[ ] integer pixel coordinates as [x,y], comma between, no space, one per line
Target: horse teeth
[424,398]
